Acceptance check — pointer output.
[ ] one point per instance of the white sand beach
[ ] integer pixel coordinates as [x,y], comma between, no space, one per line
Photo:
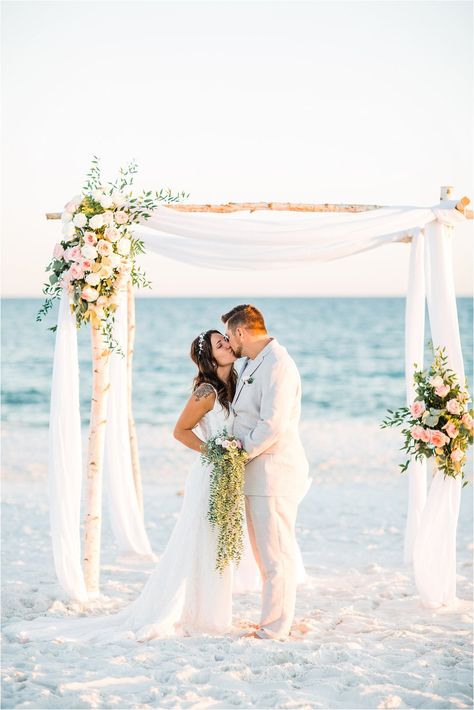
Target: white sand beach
[367,643]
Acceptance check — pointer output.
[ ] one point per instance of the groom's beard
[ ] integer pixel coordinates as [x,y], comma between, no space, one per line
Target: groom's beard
[237,351]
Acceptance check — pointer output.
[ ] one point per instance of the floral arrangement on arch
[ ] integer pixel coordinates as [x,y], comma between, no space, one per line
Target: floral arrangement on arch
[97,255]
[439,422]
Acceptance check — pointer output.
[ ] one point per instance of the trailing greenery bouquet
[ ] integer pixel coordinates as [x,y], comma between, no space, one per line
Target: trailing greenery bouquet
[227,459]
[97,254]
[438,423]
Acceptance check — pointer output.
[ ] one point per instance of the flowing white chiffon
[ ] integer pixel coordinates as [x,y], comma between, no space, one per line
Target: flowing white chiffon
[184,594]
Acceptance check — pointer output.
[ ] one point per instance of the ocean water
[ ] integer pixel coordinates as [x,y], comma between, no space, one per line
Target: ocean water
[350,352]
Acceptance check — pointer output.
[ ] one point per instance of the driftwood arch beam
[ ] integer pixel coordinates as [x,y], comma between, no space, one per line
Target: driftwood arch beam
[287,207]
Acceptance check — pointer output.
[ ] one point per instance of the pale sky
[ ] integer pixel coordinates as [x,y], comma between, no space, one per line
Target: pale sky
[331,101]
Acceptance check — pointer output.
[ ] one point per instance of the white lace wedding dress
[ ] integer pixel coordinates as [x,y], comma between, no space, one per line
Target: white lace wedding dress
[184,594]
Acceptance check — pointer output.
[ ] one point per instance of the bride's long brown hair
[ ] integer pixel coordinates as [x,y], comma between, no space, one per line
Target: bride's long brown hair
[207,370]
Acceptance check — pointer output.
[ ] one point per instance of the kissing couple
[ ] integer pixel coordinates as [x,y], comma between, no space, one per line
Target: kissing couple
[185,594]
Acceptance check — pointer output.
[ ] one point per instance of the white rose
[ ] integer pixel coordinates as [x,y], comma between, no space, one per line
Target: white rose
[106,201]
[219,441]
[114,260]
[93,279]
[66,216]
[436,381]
[69,230]
[118,198]
[88,251]
[96,222]
[77,198]
[123,246]
[80,219]
[97,194]
[108,217]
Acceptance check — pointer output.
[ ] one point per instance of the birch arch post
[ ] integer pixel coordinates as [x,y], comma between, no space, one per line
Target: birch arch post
[101,365]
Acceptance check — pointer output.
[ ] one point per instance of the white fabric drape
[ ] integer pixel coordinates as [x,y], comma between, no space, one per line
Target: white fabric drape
[248,242]
[414,349]
[65,457]
[434,555]
[125,514]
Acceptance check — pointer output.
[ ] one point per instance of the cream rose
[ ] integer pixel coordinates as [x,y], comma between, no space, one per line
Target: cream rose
[96,222]
[103,247]
[106,201]
[123,246]
[69,230]
[80,220]
[119,198]
[88,251]
[121,217]
[453,406]
[436,381]
[89,294]
[93,279]
[112,234]
[105,272]
[108,217]
[114,260]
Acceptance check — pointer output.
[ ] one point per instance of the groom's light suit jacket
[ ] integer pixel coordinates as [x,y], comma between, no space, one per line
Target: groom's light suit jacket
[267,412]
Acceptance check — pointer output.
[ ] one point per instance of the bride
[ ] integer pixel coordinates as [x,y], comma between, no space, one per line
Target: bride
[185,594]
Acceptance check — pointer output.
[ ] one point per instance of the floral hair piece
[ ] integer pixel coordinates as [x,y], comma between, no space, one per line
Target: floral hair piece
[201,343]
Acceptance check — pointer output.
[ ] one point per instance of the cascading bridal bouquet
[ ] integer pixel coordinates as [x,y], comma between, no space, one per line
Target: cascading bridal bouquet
[438,423]
[227,459]
[97,254]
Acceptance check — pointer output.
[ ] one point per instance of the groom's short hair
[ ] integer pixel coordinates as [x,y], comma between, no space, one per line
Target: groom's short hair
[245,316]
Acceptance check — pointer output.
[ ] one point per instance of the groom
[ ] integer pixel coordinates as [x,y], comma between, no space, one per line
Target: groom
[267,405]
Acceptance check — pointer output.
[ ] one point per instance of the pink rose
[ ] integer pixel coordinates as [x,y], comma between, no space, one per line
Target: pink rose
[71,207]
[76,271]
[108,217]
[121,217]
[104,248]
[90,238]
[89,293]
[417,409]
[73,254]
[442,391]
[102,301]
[58,251]
[425,435]
[112,234]
[453,406]
[457,455]
[437,438]
[226,444]
[416,432]
[239,444]
[467,420]
[451,430]
[87,264]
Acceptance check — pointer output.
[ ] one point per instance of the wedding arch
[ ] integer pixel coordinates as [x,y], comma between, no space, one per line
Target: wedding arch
[201,235]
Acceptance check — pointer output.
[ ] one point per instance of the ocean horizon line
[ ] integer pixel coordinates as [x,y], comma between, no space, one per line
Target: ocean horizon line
[143,296]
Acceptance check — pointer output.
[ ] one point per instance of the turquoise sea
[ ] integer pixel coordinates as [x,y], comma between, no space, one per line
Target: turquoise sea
[350,352]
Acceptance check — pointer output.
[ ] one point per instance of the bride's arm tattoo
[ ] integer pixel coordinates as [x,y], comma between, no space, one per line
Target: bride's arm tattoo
[204,390]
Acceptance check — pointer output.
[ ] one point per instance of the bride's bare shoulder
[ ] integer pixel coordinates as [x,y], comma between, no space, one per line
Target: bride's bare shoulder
[204,391]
